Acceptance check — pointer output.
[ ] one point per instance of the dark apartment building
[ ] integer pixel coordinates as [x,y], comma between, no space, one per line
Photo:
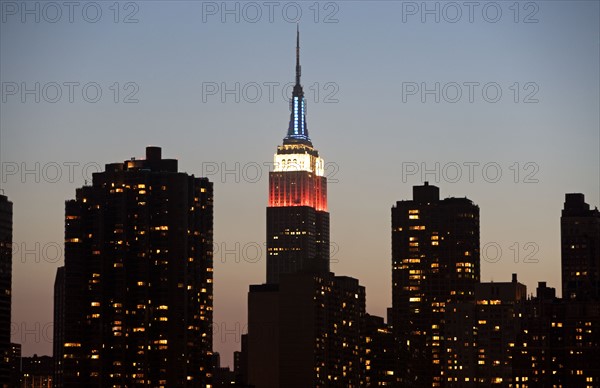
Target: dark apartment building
[379,356]
[580,249]
[6,237]
[435,263]
[14,366]
[557,343]
[58,339]
[138,278]
[37,371]
[306,332]
[480,335]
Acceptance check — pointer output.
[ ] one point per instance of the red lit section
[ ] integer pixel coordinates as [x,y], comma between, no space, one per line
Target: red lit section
[297,188]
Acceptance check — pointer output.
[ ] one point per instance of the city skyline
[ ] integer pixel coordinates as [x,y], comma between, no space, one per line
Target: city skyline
[360,158]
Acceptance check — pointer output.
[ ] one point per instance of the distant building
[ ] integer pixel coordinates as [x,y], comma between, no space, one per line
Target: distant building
[558,342]
[379,357]
[481,335]
[222,376]
[435,262]
[37,372]
[14,362]
[138,278]
[6,238]
[58,340]
[580,249]
[240,362]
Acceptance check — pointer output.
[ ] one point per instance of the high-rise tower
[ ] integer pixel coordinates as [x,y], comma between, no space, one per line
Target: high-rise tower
[435,262]
[305,324]
[580,249]
[297,217]
[138,278]
[58,340]
[6,212]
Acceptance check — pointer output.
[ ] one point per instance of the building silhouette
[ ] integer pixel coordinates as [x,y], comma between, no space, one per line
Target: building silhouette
[559,338]
[306,332]
[58,339]
[138,278]
[435,263]
[6,224]
[580,249]
[305,324]
[37,371]
[14,363]
[379,355]
[558,342]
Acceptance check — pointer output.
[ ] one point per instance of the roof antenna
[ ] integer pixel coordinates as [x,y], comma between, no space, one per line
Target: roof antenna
[298,70]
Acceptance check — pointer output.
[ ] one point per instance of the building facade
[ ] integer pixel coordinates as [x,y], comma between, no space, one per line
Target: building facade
[580,249]
[58,339]
[37,371]
[138,277]
[14,365]
[480,336]
[6,214]
[435,262]
[379,356]
[306,332]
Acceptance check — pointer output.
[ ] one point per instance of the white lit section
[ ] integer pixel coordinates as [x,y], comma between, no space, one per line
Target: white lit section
[299,162]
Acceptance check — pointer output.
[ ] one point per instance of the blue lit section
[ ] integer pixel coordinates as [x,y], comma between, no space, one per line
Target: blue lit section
[297,129]
[295,115]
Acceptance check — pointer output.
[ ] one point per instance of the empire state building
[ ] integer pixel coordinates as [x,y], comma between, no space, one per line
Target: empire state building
[297,217]
[304,323]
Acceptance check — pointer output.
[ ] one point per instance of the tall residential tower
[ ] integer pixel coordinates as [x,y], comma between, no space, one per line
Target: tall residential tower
[580,249]
[435,262]
[6,213]
[138,278]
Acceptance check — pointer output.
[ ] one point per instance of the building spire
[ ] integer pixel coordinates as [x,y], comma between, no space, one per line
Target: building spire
[298,69]
[297,131]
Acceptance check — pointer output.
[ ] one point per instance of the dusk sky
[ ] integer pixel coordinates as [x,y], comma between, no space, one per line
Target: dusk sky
[516,125]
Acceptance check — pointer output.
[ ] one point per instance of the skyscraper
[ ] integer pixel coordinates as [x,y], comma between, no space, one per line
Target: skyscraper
[580,249]
[6,212]
[435,261]
[304,324]
[297,217]
[138,277]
